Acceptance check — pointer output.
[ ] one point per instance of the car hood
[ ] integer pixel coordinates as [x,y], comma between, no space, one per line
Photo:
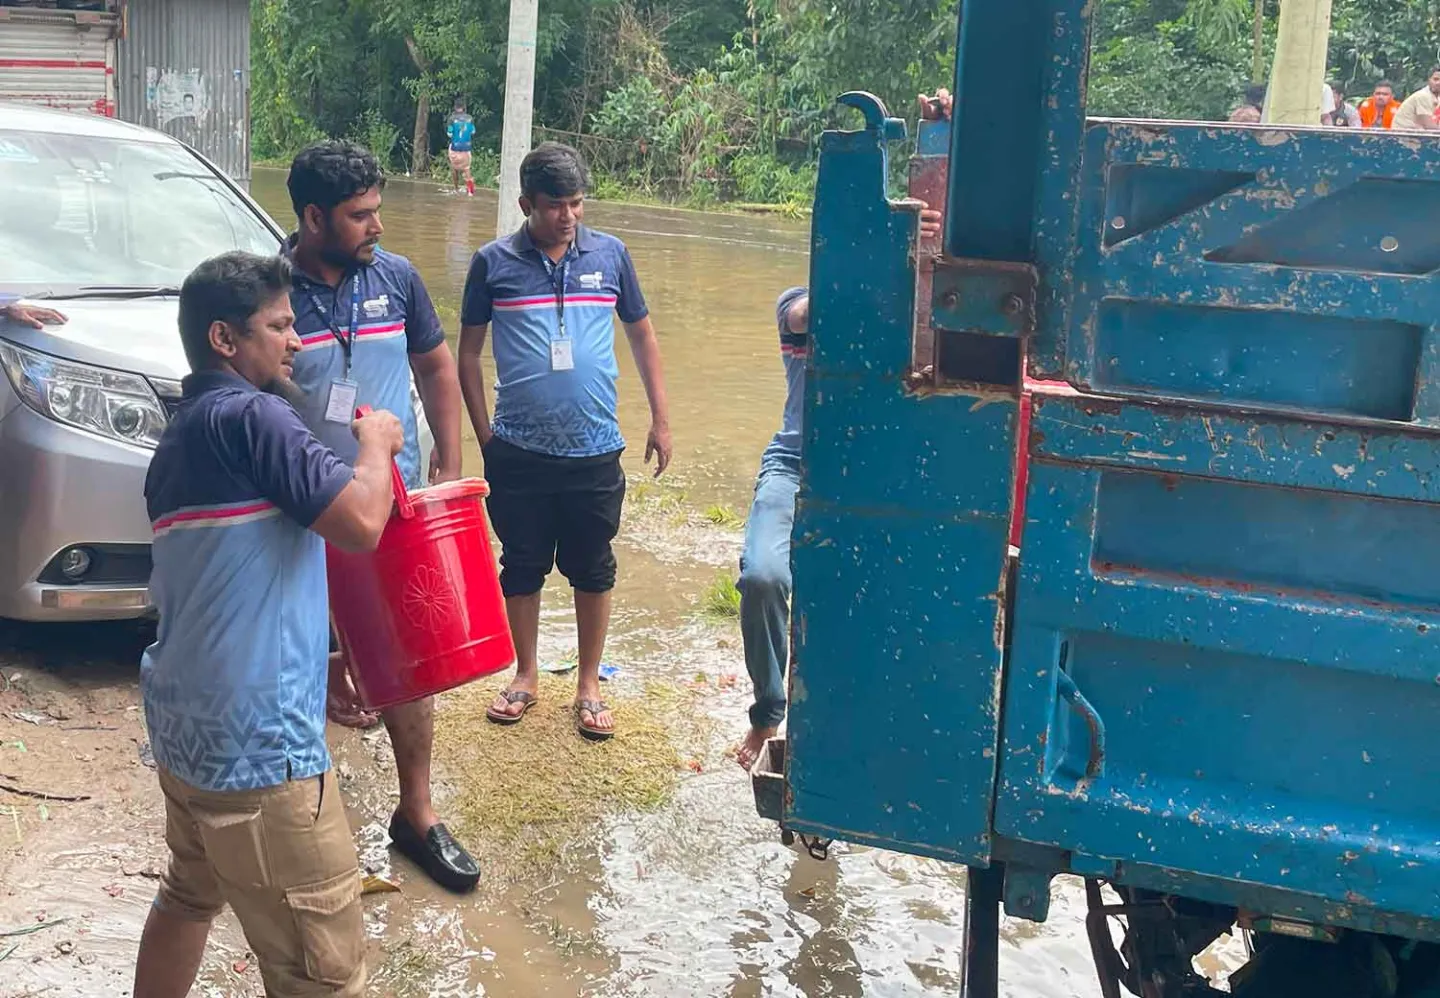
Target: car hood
[137,335]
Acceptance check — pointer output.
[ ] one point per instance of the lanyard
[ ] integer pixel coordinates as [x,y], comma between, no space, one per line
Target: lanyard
[347,344]
[563,269]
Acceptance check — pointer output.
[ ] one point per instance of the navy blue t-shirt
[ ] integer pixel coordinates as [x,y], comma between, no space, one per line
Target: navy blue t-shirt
[234,685]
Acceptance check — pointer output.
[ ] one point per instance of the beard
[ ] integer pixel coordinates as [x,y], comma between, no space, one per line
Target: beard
[337,256]
[283,387]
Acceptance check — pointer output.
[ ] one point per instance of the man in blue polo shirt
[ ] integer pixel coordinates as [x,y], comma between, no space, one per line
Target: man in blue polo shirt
[366,324]
[240,495]
[552,453]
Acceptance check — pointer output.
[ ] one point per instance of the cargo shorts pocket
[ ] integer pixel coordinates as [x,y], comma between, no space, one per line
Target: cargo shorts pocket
[234,842]
[331,926]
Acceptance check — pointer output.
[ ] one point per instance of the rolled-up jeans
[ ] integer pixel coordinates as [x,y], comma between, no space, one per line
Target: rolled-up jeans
[765,593]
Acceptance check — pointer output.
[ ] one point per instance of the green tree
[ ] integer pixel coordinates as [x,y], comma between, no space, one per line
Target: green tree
[705,99]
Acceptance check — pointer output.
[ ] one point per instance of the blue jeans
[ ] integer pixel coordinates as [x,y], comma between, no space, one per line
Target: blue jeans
[765,593]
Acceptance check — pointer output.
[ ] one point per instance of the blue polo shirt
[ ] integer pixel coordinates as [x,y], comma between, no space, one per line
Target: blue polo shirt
[513,287]
[394,318]
[234,685]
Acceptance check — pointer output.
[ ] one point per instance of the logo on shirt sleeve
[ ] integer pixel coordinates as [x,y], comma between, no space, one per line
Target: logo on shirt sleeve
[592,282]
[376,308]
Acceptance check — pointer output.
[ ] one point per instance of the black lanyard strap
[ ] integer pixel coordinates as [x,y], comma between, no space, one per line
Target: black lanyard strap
[347,343]
[562,269]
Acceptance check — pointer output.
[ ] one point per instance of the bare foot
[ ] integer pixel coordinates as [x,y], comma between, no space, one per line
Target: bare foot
[749,750]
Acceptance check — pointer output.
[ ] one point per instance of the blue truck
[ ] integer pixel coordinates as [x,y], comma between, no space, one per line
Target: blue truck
[1206,680]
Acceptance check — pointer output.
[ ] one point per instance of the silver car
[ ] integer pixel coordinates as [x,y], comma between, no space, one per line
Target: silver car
[102,221]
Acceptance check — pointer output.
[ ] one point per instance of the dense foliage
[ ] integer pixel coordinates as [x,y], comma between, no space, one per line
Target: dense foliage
[724,99]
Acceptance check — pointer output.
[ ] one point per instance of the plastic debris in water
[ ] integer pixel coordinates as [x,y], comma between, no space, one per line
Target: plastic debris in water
[560,668]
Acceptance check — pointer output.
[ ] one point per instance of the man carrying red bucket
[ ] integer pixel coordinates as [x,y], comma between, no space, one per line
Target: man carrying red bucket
[240,494]
[366,323]
[552,453]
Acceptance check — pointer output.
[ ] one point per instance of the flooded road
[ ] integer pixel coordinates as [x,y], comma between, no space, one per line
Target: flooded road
[696,899]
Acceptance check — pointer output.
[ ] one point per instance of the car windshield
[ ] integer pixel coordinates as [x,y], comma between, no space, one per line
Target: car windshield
[82,214]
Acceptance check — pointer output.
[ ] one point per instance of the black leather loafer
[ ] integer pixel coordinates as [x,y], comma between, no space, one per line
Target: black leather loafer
[444,860]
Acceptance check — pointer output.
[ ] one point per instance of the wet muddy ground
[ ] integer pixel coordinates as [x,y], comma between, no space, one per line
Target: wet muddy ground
[696,898]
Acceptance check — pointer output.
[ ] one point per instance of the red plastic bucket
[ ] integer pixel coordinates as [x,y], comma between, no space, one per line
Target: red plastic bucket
[423,613]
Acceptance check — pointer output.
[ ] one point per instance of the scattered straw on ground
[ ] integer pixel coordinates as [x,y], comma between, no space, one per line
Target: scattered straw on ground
[524,793]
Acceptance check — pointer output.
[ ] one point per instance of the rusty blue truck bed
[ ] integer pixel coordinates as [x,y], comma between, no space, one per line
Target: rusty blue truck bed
[1210,681]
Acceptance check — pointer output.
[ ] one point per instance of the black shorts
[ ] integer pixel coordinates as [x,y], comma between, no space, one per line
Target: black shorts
[553,511]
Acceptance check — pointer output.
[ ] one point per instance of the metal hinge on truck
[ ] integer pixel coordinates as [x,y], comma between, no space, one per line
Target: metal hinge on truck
[972,318]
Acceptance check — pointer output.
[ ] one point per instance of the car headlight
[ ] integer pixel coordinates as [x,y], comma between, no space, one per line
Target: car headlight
[114,404]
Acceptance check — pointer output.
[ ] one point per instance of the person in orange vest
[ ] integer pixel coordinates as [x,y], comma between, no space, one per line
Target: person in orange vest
[1378,110]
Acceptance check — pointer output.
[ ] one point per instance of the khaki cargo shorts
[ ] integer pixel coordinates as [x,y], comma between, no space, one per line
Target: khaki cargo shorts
[282,857]
[459,161]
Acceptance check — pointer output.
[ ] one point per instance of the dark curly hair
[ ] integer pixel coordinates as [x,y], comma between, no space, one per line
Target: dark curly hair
[327,173]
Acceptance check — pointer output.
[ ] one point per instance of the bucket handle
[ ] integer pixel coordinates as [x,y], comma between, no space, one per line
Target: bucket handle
[397,480]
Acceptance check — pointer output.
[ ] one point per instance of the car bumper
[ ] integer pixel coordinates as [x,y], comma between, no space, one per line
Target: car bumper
[59,488]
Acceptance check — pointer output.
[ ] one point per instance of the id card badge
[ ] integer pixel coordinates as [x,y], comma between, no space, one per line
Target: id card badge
[562,355]
[340,408]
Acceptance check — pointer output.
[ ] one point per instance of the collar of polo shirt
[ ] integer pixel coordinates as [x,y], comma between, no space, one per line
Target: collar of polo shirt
[520,243]
[292,242]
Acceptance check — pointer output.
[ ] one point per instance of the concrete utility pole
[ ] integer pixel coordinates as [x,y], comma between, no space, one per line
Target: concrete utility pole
[1298,76]
[520,109]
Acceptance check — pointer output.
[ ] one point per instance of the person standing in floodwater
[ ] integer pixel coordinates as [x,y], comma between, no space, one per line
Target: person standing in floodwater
[242,498]
[460,128]
[765,579]
[367,324]
[765,560]
[552,452]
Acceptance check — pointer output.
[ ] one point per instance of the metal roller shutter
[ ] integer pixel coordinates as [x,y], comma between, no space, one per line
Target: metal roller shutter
[59,59]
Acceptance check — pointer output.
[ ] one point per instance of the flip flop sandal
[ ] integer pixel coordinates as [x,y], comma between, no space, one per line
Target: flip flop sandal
[588,731]
[511,696]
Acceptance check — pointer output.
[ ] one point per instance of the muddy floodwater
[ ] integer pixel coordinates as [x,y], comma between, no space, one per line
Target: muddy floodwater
[696,899]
